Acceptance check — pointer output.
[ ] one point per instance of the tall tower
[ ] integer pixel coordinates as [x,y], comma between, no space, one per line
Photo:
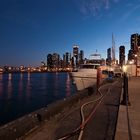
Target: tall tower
[135,42]
[49,61]
[55,60]
[122,55]
[75,53]
[81,57]
[67,59]
[108,61]
[113,50]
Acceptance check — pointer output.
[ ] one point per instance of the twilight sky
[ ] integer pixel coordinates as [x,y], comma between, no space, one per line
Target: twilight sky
[30,29]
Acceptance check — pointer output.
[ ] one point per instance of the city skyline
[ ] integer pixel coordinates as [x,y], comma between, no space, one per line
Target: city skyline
[32,29]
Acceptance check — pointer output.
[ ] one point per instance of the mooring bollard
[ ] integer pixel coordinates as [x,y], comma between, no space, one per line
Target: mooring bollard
[125,100]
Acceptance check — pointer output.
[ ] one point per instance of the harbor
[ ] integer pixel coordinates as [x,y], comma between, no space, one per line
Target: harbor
[70,70]
[105,115]
[60,116]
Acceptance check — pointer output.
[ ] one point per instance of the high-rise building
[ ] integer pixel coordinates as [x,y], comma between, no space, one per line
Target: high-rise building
[108,60]
[122,55]
[67,59]
[76,53]
[130,55]
[81,57]
[135,42]
[134,52]
[49,61]
[55,60]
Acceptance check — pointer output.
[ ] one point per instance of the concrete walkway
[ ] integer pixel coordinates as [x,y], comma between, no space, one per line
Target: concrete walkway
[128,125]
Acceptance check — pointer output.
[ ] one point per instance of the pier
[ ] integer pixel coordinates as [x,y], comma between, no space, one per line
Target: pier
[128,124]
[103,116]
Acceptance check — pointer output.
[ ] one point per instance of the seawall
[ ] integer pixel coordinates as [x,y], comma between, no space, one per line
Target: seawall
[21,126]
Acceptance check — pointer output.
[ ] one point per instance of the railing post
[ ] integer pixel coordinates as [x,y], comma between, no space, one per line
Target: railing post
[98,79]
[125,100]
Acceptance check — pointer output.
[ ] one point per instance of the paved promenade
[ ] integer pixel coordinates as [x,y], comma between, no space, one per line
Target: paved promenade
[128,125]
[101,126]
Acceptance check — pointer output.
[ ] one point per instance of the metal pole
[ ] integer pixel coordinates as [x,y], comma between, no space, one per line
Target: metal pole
[98,79]
[125,100]
[136,66]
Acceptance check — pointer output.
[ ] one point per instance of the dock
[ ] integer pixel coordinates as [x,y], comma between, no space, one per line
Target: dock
[110,119]
[101,125]
[128,125]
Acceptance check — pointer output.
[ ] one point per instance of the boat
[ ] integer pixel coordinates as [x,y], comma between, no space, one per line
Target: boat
[86,76]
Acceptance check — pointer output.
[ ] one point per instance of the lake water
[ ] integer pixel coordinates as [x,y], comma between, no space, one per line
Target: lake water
[23,93]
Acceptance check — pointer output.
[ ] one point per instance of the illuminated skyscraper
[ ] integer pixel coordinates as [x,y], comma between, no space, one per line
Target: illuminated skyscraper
[49,61]
[76,53]
[130,55]
[55,60]
[108,61]
[135,42]
[67,59]
[81,57]
[122,55]
[134,52]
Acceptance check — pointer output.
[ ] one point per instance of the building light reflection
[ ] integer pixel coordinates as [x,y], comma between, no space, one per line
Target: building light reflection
[9,85]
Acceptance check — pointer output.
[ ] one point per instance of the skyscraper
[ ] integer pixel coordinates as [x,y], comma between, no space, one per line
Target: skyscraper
[49,61]
[135,42]
[130,55]
[76,53]
[55,60]
[67,59]
[122,55]
[108,61]
[81,57]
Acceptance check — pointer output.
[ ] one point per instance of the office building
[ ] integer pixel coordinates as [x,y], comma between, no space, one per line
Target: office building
[121,55]
[108,60]
[76,53]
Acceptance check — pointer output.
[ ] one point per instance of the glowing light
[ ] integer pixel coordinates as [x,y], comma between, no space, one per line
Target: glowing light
[124,68]
[131,62]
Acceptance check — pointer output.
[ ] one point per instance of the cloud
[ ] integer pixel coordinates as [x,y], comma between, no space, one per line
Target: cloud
[132,9]
[94,7]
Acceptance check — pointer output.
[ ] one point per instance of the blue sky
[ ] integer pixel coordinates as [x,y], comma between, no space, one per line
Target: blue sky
[30,29]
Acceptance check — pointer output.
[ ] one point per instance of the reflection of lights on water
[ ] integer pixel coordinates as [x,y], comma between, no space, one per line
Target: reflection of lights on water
[9,85]
[56,83]
[10,76]
[29,76]
[28,86]
[20,84]
[21,76]
[1,84]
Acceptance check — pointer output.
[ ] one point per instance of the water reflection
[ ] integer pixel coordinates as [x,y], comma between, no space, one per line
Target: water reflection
[56,82]
[28,86]
[30,91]
[20,91]
[1,84]
[9,85]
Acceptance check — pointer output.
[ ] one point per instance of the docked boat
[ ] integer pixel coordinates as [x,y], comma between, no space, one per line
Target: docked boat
[86,76]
